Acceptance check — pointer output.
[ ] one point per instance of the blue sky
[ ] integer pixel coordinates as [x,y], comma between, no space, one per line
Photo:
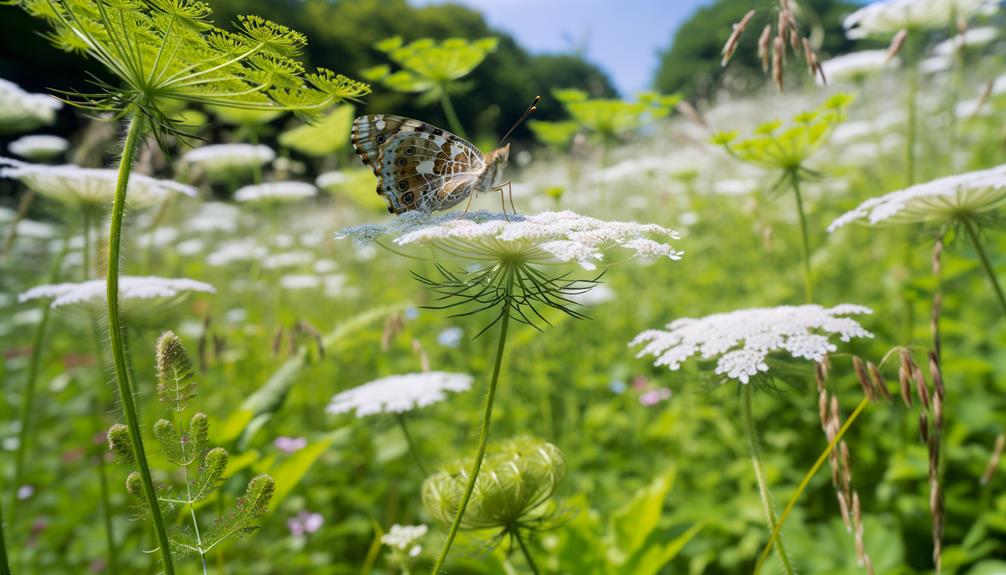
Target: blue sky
[621,36]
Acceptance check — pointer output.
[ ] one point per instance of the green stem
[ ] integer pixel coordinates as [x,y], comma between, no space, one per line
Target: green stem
[452,117]
[969,226]
[806,481]
[115,332]
[483,437]
[808,286]
[412,444]
[4,564]
[527,553]
[759,469]
[912,105]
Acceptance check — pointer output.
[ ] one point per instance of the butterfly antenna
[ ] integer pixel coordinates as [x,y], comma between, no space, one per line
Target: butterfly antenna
[523,117]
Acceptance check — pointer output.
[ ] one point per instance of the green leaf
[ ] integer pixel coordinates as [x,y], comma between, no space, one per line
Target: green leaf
[323,138]
[652,558]
[292,469]
[632,523]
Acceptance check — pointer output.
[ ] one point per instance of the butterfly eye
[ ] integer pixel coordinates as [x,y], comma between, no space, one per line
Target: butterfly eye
[407,198]
[410,151]
[403,185]
[381,138]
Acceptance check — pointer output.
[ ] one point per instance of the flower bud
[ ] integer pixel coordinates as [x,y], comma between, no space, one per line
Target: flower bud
[118,442]
[516,478]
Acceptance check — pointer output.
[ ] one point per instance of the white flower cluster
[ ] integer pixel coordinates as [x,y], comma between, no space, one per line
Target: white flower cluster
[38,147]
[855,65]
[331,180]
[971,37]
[889,16]
[547,237]
[403,537]
[937,200]
[743,339]
[221,159]
[399,393]
[130,288]
[89,186]
[276,192]
[20,110]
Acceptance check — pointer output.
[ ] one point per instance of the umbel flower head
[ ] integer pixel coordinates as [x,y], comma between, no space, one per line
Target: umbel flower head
[223,160]
[508,253]
[787,147]
[741,341]
[167,53]
[38,147]
[518,477]
[856,66]
[21,111]
[275,192]
[968,196]
[428,65]
[404,538]
[887,17]
[135,292]
[89,187]
[399,393]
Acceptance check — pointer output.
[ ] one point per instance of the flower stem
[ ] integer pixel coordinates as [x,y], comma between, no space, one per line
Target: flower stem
[4,564]
[527,553]
[806,481]
[483,436]
[808,287]
[412,444]
[115,332]
[452,116]
[911,105]
[759,469]
[986,264]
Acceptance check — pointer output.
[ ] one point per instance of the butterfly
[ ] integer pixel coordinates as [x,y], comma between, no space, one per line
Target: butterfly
[422,167]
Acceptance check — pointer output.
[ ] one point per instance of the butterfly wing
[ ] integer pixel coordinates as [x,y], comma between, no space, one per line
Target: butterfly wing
[418,166]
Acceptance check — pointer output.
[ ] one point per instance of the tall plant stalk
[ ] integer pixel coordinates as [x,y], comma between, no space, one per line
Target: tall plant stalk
[808,286]
[483,436]
[763,491]
[452,116]
[400,417]
[527,553]
[116,337]
[4,563]
[969,227]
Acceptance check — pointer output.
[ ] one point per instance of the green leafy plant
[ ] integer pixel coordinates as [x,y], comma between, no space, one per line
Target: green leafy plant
[786,148]
[432,68]
[611,120]
[166,54]
[202,467]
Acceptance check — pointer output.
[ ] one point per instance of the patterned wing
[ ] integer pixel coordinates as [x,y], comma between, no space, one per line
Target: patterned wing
[418,166]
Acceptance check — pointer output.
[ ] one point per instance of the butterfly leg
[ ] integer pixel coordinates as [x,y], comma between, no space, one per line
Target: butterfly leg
[509,187]
[503,202]
[469,204]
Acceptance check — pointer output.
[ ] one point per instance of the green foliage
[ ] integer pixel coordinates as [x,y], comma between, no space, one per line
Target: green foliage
[427,65]
[324,137]
[608,119]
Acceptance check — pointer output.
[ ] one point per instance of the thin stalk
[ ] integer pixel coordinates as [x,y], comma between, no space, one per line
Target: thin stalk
[527,553]
[4,564]
[911,105]
[808,286]
[759,469]
[969,227]
[115,332]
[28,395]
[806,481]
[452,116]
[106,504]
[188,493]
[483,436]
[413,449]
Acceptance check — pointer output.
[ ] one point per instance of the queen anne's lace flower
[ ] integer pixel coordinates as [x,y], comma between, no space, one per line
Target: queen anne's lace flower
[89,186]
[222,159]
[20,110]
[743,339]
[939,200]
[399,393]
[969,38]
[276,192]
[547,237]
[889,16]
[403,538]
[855,65]
[130,288]
[38,147]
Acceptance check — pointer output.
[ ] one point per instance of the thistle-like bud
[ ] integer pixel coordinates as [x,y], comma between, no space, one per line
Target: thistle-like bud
[199,434]
[517,477]
[174,371]
[210,473]
[134,485]
[170,442]
[118,442]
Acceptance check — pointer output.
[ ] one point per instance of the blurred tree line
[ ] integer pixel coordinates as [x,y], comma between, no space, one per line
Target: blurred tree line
[341,35]
[692,63]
